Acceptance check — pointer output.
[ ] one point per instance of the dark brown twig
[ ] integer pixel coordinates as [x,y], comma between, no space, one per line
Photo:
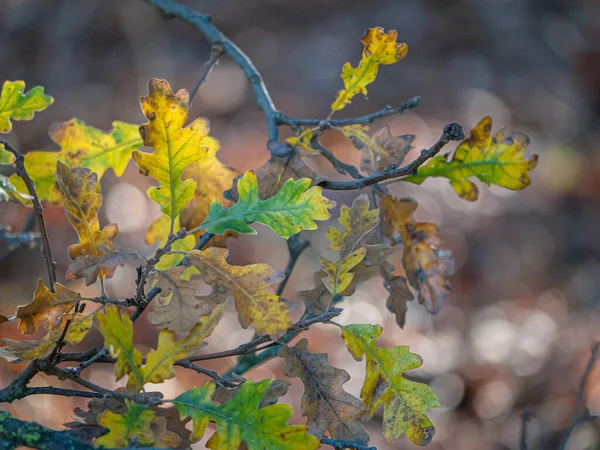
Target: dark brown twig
[39,211]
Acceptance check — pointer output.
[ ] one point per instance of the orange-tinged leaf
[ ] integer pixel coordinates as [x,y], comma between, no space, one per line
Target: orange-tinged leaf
[240,420]
[427,262]
[175,147]
[91,266]
[183,303]
[379,48]
[82,200]
[81,145]
[212,179]
[380,150]
[123,428]
[405,401]
[255,304]
[495,160]
[325,404]
[16,105]
[79,325]
[46,306]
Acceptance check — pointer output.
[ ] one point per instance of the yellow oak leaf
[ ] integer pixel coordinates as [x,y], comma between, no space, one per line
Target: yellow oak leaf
[294,208]
[81,146]
[241,420]
[427,262]
[380,150]
[405,401]
[135,424]
[325,403]
[79,325]
[81,190]
[379,48]
[16,105]
[47,306]
[175,147]
[495,160]
[255,304]
[335,277]
[117,330]
[212,179]
[183,303]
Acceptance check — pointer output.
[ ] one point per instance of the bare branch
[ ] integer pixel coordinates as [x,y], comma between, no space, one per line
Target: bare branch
[39,211]
[215,53]
[452,132]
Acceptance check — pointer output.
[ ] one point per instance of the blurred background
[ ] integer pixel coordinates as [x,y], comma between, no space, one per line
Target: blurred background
[517,330]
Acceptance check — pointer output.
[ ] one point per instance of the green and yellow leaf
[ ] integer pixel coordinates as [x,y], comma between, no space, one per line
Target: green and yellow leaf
[175,147]
[81,146]
[405,402]
[123,428]
[159,233]
[379,48]
[294,208]
[240,420]
[17,105]
[495,160]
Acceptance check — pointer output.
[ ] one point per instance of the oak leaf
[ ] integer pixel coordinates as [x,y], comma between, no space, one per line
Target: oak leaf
[9,191]
[249,284]
[396,302]
[159,231]
[82,200]
[16,351]
[494,160]
[427,262]
[379,48]
[175,147]
[135,424]
[47,306]
[277,388]
[81,145]
[17,105]
[91,267]
[183,303]
[325,404]
[405,401]
[380,150]
[336,277]
[292,209]
[212,178]
[240,420]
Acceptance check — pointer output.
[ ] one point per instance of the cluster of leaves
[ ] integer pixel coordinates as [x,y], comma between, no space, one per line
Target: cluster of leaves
[193,282]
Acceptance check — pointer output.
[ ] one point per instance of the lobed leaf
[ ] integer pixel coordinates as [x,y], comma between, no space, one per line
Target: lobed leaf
[47,306]
[405,401]
[325,404]
[380,150]
[91,267]
[17,351]
[255,304]
[428,263]
[81,190]
[123,428]
[17,105]
[379,48]
[294,208]
[175,147]
[497,160]
[159,231]
[240,420]
[81,145]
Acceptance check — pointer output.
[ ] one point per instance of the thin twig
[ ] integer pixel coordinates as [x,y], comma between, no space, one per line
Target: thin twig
[525,418]
[340,166]
[284,119]
[295,248]
[342,445]
[210,373]
[39,211]
[581,412]
[213,35]
[216,50]
[452,132]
